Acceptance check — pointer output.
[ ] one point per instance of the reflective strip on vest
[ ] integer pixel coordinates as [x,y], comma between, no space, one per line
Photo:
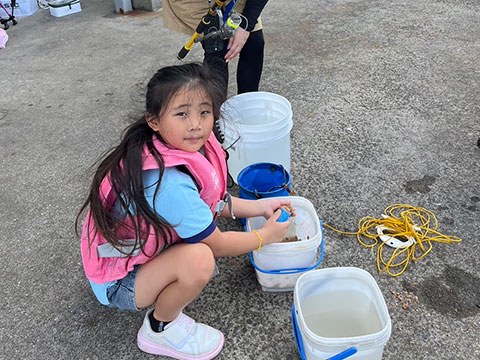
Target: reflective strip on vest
[108,250]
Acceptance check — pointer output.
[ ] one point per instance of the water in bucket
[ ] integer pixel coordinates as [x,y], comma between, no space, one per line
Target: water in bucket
[341,314]
[257,128]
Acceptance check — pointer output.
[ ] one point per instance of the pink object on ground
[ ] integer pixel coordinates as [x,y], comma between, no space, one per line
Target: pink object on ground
[3,38]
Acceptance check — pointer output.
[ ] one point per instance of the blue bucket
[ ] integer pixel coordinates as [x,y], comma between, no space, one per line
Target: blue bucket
[263,180]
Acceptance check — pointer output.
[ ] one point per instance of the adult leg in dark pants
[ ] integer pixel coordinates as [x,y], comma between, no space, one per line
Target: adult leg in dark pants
[216,61]
[250,63]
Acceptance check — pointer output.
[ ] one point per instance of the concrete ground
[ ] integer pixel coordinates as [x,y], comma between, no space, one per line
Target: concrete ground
[385,98]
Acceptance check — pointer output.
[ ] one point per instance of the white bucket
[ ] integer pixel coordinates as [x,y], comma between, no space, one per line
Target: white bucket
[340,311]
[257,128]
[278,265]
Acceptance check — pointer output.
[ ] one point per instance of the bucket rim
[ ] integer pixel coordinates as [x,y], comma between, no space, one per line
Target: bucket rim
[286,122]
[256,93]
[295,270]
[335,344]
[303,245]
[250,139]
[279,127]
[314,241]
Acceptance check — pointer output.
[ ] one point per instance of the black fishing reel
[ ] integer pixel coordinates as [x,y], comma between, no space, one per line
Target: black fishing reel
[218,31]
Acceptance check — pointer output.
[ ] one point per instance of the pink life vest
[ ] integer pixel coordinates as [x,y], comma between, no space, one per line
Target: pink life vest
[210,173]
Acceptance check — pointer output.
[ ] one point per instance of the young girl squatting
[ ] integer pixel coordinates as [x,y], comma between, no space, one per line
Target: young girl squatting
[150,237]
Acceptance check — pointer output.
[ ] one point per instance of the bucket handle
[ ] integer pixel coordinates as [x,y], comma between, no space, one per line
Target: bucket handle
[297,334]
[299,341]
[288,271]
[284,185]
[292,270]
[344,354]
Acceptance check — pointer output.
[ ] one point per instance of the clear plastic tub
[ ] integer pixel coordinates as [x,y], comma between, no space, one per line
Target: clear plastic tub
[339,311]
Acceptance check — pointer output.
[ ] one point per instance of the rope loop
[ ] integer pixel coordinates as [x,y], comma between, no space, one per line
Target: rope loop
[415,227]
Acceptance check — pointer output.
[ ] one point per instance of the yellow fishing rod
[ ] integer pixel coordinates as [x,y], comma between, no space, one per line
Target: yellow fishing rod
[202,26]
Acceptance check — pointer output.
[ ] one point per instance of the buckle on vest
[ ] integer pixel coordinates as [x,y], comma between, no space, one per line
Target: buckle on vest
[227,200]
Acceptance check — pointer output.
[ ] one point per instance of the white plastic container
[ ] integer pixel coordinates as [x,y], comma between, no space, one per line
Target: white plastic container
[337,310]
[64,7]
[290,257]
[22,7]
[261,122]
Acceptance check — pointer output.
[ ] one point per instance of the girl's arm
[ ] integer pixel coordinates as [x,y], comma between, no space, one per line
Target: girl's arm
[233,243]
[243,208]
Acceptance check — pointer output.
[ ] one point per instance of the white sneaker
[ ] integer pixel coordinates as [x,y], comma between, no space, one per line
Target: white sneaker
[183,338]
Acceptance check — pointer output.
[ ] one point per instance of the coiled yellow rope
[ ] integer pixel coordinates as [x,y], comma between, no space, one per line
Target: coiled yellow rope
[402,221]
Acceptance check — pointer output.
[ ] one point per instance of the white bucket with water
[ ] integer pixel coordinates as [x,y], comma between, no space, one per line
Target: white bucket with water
[278,266]
[340,313]
[257,128]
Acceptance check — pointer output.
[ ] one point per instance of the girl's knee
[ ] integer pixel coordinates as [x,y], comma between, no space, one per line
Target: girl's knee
[200,262]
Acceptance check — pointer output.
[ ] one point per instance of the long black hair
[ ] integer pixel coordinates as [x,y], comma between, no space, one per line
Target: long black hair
[124,162]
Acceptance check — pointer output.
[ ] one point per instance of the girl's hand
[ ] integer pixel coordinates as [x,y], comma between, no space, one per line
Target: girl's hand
[271,205]
[273,231]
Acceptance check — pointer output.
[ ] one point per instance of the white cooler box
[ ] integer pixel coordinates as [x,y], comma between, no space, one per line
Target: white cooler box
[59,8]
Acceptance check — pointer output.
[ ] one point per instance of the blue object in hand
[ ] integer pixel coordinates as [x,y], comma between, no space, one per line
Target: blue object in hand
[283,216]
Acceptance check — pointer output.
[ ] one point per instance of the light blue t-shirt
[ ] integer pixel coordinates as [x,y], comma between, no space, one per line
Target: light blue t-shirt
[178,202]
